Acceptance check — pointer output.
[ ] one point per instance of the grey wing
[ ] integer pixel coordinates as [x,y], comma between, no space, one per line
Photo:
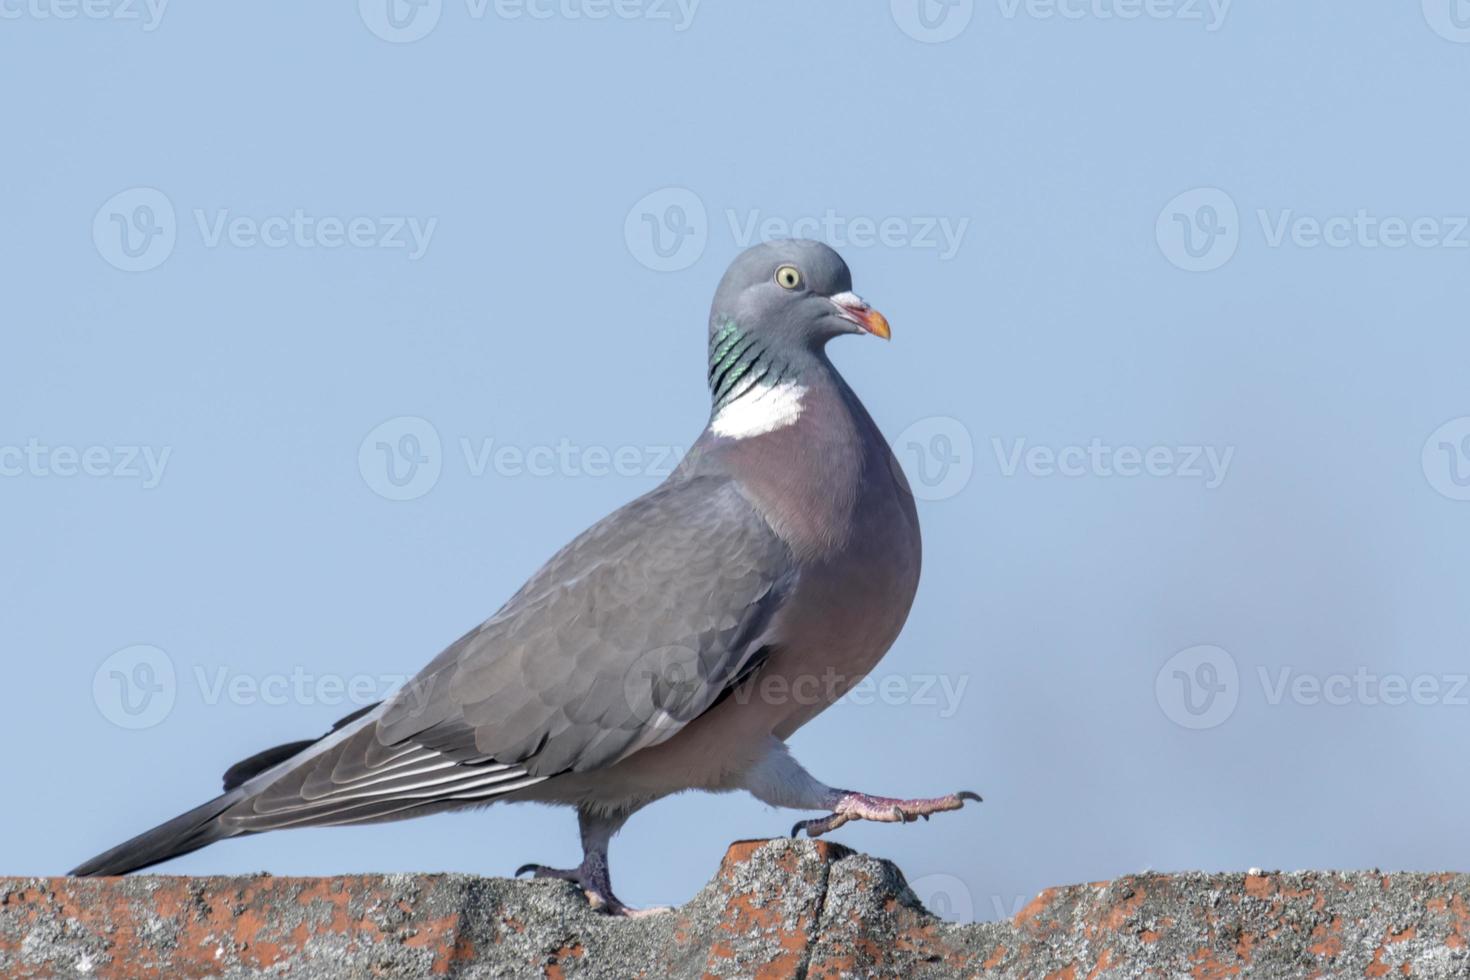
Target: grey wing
[627,634]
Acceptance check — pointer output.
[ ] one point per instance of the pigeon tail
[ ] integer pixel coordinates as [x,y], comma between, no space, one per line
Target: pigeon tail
[187,832]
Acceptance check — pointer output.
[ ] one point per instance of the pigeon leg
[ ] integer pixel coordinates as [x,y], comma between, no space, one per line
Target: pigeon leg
[848,805]
[592,874]
[779,780]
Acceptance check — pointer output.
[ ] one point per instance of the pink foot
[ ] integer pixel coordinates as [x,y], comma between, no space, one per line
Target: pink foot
[884,809]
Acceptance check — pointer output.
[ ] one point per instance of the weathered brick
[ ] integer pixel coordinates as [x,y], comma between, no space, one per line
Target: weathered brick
[775,909]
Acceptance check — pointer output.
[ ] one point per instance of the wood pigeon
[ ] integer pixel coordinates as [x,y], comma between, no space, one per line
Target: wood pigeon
[674,645]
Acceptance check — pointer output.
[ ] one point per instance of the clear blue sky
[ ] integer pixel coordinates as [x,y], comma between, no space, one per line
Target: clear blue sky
[1179,364]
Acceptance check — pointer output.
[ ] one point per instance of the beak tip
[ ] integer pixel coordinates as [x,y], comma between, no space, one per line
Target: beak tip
[853,308]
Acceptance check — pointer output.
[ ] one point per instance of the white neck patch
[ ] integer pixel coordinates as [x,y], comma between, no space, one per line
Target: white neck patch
[765,408]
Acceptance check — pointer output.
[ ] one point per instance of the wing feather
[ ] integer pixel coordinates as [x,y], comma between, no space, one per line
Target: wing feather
[627,634]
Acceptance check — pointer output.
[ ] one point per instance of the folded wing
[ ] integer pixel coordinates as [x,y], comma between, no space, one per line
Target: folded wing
[627,634]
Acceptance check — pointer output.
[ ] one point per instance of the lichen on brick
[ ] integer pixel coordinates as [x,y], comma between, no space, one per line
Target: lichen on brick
[774,909]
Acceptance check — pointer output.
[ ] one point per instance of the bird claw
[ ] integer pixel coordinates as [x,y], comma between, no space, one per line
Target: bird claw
[597,890]
[542,871]
[818,826]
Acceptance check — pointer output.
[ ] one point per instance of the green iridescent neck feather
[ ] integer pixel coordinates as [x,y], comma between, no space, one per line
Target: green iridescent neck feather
[739,362]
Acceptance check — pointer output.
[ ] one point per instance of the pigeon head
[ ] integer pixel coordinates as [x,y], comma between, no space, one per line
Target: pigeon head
[794,293]
[776,308]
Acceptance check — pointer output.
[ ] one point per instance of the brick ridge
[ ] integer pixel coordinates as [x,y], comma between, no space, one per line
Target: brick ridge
[773,909]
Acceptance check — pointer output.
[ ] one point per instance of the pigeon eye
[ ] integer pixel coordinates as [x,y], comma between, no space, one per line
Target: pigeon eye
[788,277]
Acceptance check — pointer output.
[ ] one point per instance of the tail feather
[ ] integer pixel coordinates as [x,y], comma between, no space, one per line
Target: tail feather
[203,825]
[187,832]
[346,777]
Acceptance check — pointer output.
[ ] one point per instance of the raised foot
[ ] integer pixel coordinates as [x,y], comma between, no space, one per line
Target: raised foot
[596,887]
[884,809]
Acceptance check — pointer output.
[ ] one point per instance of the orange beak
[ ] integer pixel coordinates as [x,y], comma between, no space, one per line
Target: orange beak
[853,307]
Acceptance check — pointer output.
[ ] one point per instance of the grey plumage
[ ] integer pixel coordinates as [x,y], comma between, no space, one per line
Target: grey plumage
[624,636]
[785,546]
